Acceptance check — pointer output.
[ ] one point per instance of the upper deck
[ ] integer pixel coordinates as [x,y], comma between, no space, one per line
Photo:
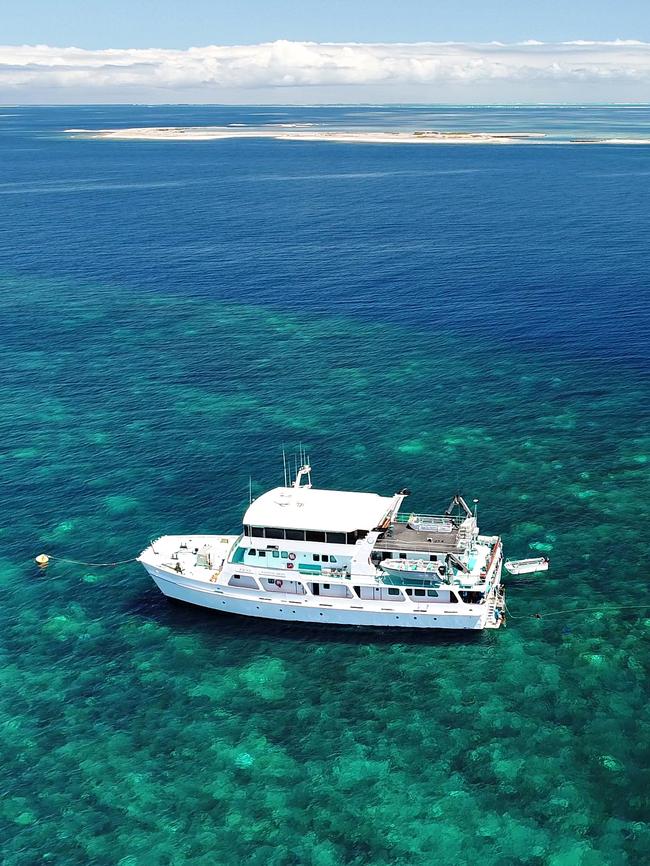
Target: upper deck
[439,534]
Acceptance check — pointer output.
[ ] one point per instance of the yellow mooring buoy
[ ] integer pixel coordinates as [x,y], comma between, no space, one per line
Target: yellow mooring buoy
[42,560]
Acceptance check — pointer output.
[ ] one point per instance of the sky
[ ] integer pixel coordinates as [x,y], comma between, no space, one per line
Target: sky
[344,51]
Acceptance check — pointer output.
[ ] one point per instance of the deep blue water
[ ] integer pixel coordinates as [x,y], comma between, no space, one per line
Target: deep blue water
[439,316]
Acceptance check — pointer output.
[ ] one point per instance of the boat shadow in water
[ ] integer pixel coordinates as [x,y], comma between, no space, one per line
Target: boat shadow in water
[184,617]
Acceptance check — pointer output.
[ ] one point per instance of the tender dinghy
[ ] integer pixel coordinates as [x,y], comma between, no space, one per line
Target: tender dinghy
[527,566]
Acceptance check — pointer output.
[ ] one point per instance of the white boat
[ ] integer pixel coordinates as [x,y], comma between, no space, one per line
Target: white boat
[416,569]
[327,556]
[527,566]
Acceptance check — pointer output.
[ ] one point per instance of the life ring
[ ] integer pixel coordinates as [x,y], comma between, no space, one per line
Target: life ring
[278,582]
[289,564]
[292,556]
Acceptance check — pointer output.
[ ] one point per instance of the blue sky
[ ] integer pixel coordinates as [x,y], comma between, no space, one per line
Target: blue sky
[281,51]
[178,24]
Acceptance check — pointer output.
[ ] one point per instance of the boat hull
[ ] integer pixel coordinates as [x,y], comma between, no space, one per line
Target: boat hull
[286,608]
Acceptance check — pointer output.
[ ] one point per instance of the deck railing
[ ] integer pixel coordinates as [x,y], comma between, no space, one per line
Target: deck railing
[433,518]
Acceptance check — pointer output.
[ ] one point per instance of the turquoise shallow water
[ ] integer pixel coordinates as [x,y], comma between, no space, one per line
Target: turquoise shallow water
[135,732]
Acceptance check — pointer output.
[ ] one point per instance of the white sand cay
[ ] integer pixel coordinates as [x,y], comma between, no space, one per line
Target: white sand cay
[299,132]
[204,133]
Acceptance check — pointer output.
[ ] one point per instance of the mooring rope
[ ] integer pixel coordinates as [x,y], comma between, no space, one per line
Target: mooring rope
[50,556]
[569,611]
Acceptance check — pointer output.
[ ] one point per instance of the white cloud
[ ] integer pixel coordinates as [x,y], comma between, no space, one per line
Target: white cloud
[286,65]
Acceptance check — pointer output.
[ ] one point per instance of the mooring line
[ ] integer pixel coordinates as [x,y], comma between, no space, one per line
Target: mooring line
[43,560]
[568,611]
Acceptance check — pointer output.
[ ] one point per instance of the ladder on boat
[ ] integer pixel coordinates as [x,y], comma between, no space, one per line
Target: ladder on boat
[496,602]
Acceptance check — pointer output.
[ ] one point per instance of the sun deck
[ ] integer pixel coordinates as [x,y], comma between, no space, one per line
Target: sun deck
[400,536]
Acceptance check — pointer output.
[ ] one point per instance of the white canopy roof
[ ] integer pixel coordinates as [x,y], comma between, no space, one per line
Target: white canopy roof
[324,510]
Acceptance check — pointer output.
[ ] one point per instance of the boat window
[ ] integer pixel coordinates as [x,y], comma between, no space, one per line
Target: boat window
[325,557]
[316,557]
[419,592]
[432,558]
[336,537]
[315,536]
[361,533]
[270,532]
[247,530]
[402,556]
[276,554]
[409,591]
[352,537]
[252,552]
[392,591]
[326,586]
[294,534]
[257,531]
[284,554]
[432,593]
[332,558]
[262,553]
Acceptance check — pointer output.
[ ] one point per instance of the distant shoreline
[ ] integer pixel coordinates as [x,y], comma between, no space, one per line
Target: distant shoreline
[288,132]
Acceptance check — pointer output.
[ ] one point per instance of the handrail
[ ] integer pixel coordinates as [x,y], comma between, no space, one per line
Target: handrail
[443,518]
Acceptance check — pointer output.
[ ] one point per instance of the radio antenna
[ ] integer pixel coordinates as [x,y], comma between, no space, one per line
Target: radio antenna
[284,466]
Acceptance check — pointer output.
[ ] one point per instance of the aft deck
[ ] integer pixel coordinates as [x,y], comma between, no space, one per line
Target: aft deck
[442,539]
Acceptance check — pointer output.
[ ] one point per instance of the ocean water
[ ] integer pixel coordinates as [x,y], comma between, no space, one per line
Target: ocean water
[444,317]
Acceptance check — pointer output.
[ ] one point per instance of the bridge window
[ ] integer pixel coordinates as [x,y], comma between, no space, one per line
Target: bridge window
[336,537]
[257,531]
[294,534]
[315,536]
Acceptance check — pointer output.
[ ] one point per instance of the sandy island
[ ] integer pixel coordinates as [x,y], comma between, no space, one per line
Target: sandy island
[297,132]
[204,133]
